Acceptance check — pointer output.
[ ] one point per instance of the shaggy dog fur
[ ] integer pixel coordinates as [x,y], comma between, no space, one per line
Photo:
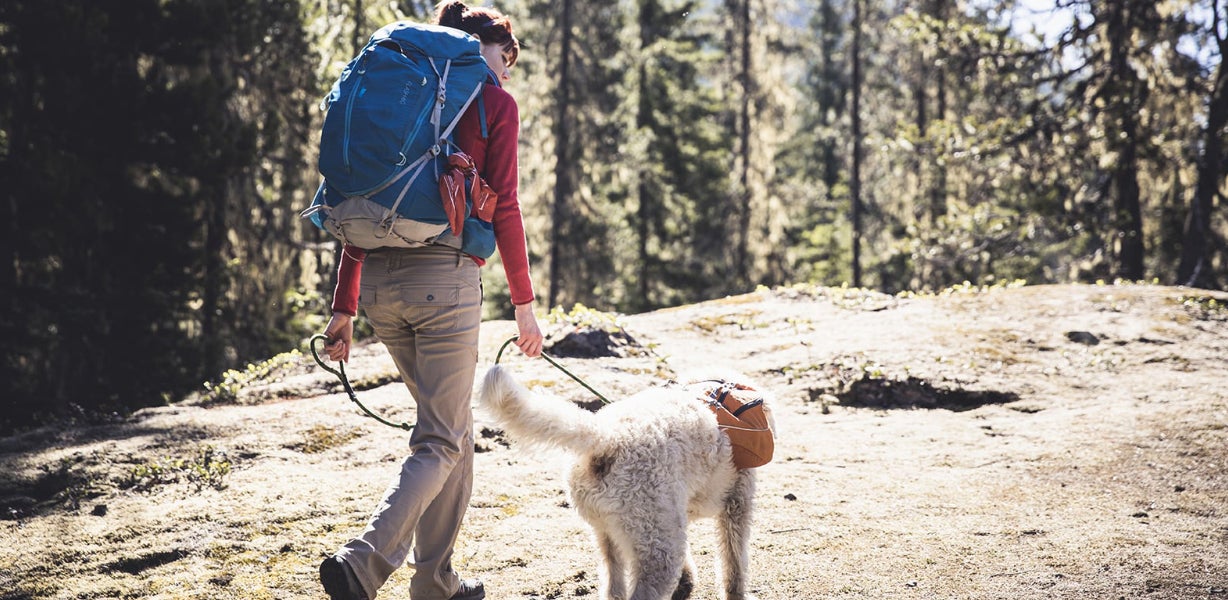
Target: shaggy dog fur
[645,466]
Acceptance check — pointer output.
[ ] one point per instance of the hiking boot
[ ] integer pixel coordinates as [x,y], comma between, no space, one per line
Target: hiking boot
[340,583]
[470,589]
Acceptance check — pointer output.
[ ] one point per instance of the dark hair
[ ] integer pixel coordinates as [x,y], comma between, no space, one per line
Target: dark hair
[487,24]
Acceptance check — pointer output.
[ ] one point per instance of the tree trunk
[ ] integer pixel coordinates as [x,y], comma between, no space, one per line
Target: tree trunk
[830,97]
[740,11]
[1194,269]
[562,151]
[938,187]
[643,122]
[1124,101]
[855,112]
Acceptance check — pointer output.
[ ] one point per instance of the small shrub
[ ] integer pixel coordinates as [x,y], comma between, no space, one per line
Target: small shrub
[1204,308]
[206,468]
[233,382]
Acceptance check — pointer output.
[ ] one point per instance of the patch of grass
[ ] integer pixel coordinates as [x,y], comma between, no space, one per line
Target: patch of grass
[321,438]
[205,468]
[742,320]
[999,354]
[234,382]
[1119,282]
[581,316]
[967,288]
[751,298]
[1204,308]
[370,382]
[583,332]
[64,483]
[851,298]
[504,503]
[970,288]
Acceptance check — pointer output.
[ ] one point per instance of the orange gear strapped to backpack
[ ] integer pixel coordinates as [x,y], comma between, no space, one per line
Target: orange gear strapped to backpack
[452,191]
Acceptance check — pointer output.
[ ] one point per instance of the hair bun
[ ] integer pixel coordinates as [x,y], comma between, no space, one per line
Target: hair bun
[451,13]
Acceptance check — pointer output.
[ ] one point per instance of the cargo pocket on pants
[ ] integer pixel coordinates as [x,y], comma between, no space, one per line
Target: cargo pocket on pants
[432,307]
[366,296]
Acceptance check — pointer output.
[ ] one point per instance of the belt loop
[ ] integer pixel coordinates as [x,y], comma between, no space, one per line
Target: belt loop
[460,258]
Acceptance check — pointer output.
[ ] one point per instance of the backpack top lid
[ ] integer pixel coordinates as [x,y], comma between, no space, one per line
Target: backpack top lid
[430,40]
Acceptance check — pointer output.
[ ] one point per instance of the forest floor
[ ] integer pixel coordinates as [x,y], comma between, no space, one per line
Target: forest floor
[1017,442]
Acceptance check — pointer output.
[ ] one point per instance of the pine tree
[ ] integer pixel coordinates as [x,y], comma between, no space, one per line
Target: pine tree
[145,194]
[1198,264]
[99,202]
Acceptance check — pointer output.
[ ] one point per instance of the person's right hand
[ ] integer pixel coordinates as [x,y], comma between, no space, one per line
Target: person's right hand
[530,337]
[340,333]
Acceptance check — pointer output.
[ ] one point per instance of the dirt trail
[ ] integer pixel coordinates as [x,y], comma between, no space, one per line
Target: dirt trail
[1033,442]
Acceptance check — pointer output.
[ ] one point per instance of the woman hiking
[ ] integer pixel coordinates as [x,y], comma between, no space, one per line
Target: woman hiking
[425,305]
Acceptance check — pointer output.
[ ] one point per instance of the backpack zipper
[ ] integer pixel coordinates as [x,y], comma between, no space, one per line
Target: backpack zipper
[349,112]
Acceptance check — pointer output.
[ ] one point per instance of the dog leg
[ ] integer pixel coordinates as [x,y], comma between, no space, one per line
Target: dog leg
[686,583]
[733,531]
[614,586]
[658,543]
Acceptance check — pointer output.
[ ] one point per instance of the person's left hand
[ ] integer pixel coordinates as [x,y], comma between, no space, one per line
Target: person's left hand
[530,340]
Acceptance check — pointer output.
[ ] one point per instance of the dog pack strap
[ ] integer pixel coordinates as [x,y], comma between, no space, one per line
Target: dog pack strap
[747,406]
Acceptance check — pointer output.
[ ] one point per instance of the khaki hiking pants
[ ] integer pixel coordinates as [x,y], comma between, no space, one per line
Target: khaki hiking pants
[425,305]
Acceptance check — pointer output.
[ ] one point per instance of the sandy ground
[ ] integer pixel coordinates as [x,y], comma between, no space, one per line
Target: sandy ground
[1033,442]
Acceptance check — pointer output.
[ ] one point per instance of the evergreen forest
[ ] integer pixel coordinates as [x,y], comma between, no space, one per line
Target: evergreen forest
[155,156]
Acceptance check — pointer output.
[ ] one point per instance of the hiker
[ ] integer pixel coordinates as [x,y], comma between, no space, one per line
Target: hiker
[425,305]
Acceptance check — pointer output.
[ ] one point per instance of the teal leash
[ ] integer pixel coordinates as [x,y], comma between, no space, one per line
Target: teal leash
[346,382]
[551,360]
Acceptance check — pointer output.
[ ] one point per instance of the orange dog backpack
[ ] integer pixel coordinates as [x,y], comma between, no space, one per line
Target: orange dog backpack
[740,414]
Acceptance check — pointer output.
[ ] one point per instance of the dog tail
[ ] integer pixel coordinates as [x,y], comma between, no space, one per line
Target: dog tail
[529,418]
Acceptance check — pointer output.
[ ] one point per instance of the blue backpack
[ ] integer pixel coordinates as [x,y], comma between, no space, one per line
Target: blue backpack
[387,137]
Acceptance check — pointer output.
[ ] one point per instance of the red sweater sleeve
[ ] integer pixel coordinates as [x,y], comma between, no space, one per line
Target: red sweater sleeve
[349,278]
[497,161]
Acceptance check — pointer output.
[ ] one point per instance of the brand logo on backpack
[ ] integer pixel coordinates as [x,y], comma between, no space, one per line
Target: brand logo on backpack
[387,138]
[408,92]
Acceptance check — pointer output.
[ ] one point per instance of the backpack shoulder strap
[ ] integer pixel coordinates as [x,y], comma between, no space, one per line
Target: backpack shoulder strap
[482,114]
[476,95]
[490,80]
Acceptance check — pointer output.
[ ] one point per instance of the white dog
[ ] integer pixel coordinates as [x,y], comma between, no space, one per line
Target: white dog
[645,466]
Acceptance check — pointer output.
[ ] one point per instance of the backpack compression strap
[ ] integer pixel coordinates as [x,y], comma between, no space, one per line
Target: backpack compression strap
[440,139]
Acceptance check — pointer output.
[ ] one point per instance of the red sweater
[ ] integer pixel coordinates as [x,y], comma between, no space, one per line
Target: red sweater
[497,162]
